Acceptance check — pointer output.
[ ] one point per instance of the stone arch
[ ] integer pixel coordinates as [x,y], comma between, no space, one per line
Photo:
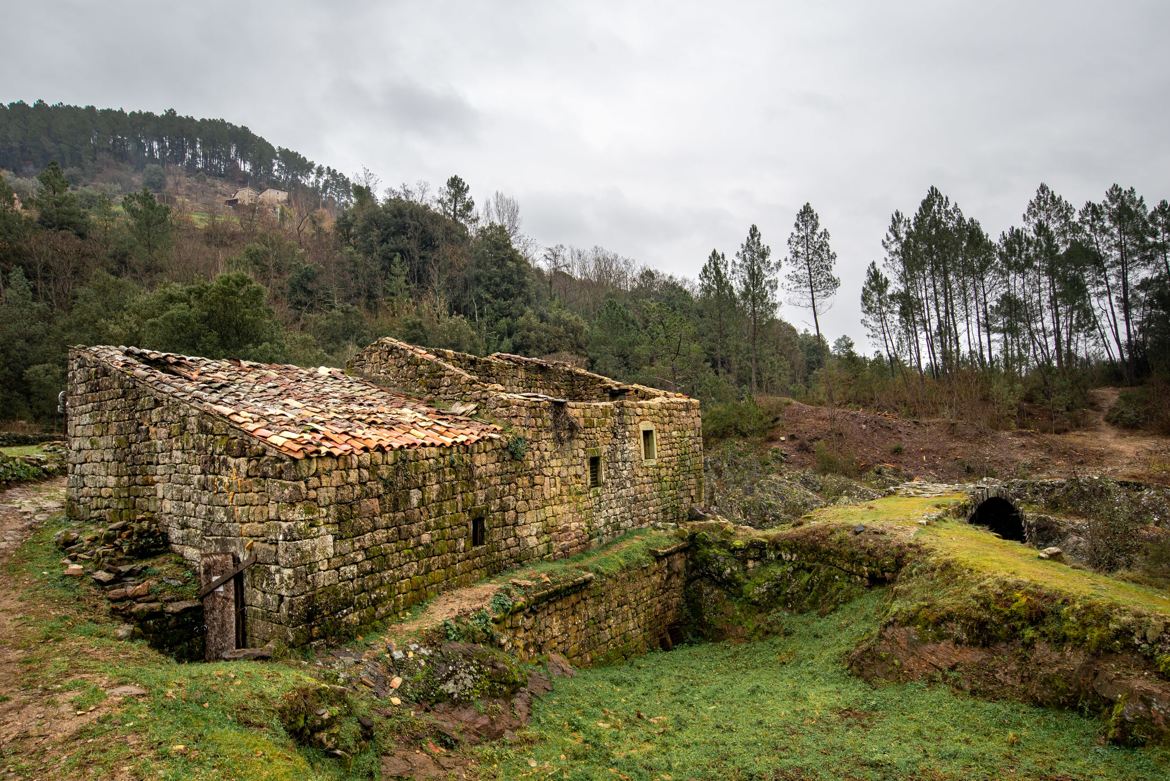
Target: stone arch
[1000,515]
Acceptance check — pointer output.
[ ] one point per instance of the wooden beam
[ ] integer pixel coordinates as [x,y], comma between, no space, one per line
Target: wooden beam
[248,562]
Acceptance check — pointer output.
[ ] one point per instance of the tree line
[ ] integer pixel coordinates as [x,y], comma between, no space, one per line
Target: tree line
[961,323]
[84,138]
[428,265]
[1065,289]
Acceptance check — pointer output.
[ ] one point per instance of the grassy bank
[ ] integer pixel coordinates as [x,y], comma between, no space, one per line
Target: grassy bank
[983,553]
[786,708]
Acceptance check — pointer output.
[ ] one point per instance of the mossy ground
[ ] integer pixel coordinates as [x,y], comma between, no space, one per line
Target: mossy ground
[630,548]
[986,554]
[22,450]
[783,707]
[786,708]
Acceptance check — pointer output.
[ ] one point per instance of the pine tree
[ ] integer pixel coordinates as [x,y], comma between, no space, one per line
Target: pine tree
[811,283]
[756,283]
[455,202]
[1049,219]
[719,307]
[150,221]
[57,207]
[879,310]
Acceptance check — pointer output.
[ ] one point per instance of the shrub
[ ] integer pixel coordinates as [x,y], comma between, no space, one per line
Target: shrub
[153,178]
[734,419]
[834,460]
[1130,410]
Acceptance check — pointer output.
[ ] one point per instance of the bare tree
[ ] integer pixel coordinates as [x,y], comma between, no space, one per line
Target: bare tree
[420,192]
[504,210]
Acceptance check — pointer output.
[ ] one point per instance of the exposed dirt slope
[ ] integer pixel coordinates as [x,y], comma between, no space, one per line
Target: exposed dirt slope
[954,451]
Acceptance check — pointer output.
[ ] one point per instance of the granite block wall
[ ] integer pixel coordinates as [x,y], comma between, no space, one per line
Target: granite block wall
[598,619]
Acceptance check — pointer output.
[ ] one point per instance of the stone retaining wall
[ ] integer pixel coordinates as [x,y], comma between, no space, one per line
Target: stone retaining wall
[595,619]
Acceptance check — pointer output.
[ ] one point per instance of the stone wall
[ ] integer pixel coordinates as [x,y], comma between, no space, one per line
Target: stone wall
[343,541]
[134,453]
[595,619]
[558,437]
[435,371]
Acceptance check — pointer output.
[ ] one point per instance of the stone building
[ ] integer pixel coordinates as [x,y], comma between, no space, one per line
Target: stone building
[245,196]
[273,197]
[361,495]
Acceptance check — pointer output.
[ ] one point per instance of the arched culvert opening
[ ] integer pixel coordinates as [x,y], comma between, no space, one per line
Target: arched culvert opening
[1000,517]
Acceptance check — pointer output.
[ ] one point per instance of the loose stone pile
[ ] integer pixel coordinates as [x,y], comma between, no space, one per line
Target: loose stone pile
[149,588]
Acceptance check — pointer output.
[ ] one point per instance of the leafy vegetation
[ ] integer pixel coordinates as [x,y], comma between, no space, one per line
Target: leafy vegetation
[1142,408]
[97,245]
[26,463]
[787,708]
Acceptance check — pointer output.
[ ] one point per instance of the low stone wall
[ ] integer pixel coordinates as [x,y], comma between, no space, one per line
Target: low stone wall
[438,371]
[594,619]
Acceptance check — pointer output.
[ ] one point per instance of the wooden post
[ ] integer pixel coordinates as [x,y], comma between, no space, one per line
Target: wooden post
[219,606]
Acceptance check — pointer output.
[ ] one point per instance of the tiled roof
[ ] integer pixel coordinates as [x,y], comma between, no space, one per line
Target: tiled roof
[301,412]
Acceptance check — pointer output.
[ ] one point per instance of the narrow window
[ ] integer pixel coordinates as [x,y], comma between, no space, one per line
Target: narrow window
[478,531]
[594,471]
[649,446]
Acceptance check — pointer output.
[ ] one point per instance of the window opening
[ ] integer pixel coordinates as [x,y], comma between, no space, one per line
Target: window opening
[478,531]
[594,471]
[649,446]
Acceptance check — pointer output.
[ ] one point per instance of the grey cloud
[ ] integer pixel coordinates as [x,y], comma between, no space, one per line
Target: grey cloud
[432,112]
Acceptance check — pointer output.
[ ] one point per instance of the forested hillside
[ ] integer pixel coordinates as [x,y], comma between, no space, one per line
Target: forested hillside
[81,140]
[99,243]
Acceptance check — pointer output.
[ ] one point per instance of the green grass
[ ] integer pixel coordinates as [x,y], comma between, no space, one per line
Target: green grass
[22,450]
[987,554]
[197,721]
[786,708]
[626,550]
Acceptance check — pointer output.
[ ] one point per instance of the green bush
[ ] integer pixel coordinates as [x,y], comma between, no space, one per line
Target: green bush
[1131,410]
[833,460]
[734,419]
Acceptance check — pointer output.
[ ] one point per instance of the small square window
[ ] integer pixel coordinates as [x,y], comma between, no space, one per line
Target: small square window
[594,471]
[649,445]
[478,531]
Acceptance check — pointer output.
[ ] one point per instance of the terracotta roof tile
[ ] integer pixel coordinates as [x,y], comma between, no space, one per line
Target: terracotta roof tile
[301,412]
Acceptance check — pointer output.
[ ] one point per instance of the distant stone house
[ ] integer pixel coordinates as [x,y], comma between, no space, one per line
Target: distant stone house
[273,197]
[356,496]
[245,196]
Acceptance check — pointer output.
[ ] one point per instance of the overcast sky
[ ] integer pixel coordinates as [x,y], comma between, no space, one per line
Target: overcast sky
[658,130]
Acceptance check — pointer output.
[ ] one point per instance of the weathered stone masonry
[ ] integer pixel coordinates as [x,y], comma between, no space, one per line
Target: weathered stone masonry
[356,510]
[591,415]
[594,619]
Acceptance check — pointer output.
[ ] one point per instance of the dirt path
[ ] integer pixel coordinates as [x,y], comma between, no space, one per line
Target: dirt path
[23,507]
[1121,453]
[445,606]
[33,721]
